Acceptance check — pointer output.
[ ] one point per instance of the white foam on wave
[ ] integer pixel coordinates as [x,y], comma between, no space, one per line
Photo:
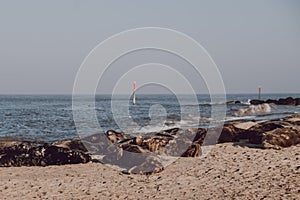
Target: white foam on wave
[253,110]
[238,118]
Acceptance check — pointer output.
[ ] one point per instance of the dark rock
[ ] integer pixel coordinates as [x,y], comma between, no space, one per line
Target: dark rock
[272,101]
[200,134]
[29,153]
[297,101]
[72,144]
[54,155]
[233,102]
[283,101]
[257,102]
[287,101]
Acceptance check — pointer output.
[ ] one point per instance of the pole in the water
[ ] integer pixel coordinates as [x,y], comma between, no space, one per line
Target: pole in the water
[259,92]
[134,88]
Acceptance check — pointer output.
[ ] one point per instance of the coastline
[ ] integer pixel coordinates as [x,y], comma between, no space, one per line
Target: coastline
[229,172]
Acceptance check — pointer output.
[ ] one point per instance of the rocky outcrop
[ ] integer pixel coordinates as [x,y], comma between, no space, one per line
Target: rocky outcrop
[138,154]
[283,101]
[142,153]
[267,134]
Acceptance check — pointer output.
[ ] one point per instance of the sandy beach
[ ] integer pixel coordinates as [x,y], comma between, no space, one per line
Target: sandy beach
[230,171]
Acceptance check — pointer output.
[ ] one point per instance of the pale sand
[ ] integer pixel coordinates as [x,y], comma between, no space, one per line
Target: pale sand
[228,172]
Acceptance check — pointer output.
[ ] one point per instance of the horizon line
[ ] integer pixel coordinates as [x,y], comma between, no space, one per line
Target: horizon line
[57,94]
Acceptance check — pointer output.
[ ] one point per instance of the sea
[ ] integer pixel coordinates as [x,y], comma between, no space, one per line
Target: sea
[50,117]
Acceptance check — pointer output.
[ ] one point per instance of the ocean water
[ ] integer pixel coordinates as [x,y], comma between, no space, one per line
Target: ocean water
[50,118]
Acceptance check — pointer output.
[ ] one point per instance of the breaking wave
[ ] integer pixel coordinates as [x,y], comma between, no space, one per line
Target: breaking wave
[253,110]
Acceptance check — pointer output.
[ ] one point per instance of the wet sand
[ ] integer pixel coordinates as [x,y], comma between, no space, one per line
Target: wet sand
[229,171]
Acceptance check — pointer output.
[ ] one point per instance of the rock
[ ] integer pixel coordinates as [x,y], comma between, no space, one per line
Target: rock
[200,134]
[297,101]
[229,134]
[293,121]
[150,166]
[255,133]
[257,102]
[28,153]
[287,101]
[194,150]
[140,162]
[115,136]
[138,140]
[155,143]
[98,144]
[283,101]
[73,144]
[233,102]
[133,148]
[54,155]
[172,131]
[281,137]
[244,125]
[272,101]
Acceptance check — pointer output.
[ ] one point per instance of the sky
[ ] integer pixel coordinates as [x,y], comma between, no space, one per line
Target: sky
[253,43]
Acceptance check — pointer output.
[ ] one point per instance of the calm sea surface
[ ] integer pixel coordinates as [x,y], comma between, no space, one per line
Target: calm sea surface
[50,118]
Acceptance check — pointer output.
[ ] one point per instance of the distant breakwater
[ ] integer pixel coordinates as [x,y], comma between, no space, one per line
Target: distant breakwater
[282,101]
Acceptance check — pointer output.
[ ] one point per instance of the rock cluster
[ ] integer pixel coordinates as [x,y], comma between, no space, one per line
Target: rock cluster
[31,153]
[284,101]
[142,154]
[274,134]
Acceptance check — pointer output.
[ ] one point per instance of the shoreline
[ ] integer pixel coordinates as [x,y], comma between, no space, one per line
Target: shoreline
[252,160]
[144,154]
[228,172]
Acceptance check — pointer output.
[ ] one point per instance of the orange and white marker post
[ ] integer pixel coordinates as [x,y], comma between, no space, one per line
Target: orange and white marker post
[259,92]
[134,89]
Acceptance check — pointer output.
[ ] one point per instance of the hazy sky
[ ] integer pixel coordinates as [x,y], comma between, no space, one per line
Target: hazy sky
[43,43]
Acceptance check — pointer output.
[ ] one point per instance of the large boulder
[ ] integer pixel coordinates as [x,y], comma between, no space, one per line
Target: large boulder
[255,133]
[229,134]
[281,137]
